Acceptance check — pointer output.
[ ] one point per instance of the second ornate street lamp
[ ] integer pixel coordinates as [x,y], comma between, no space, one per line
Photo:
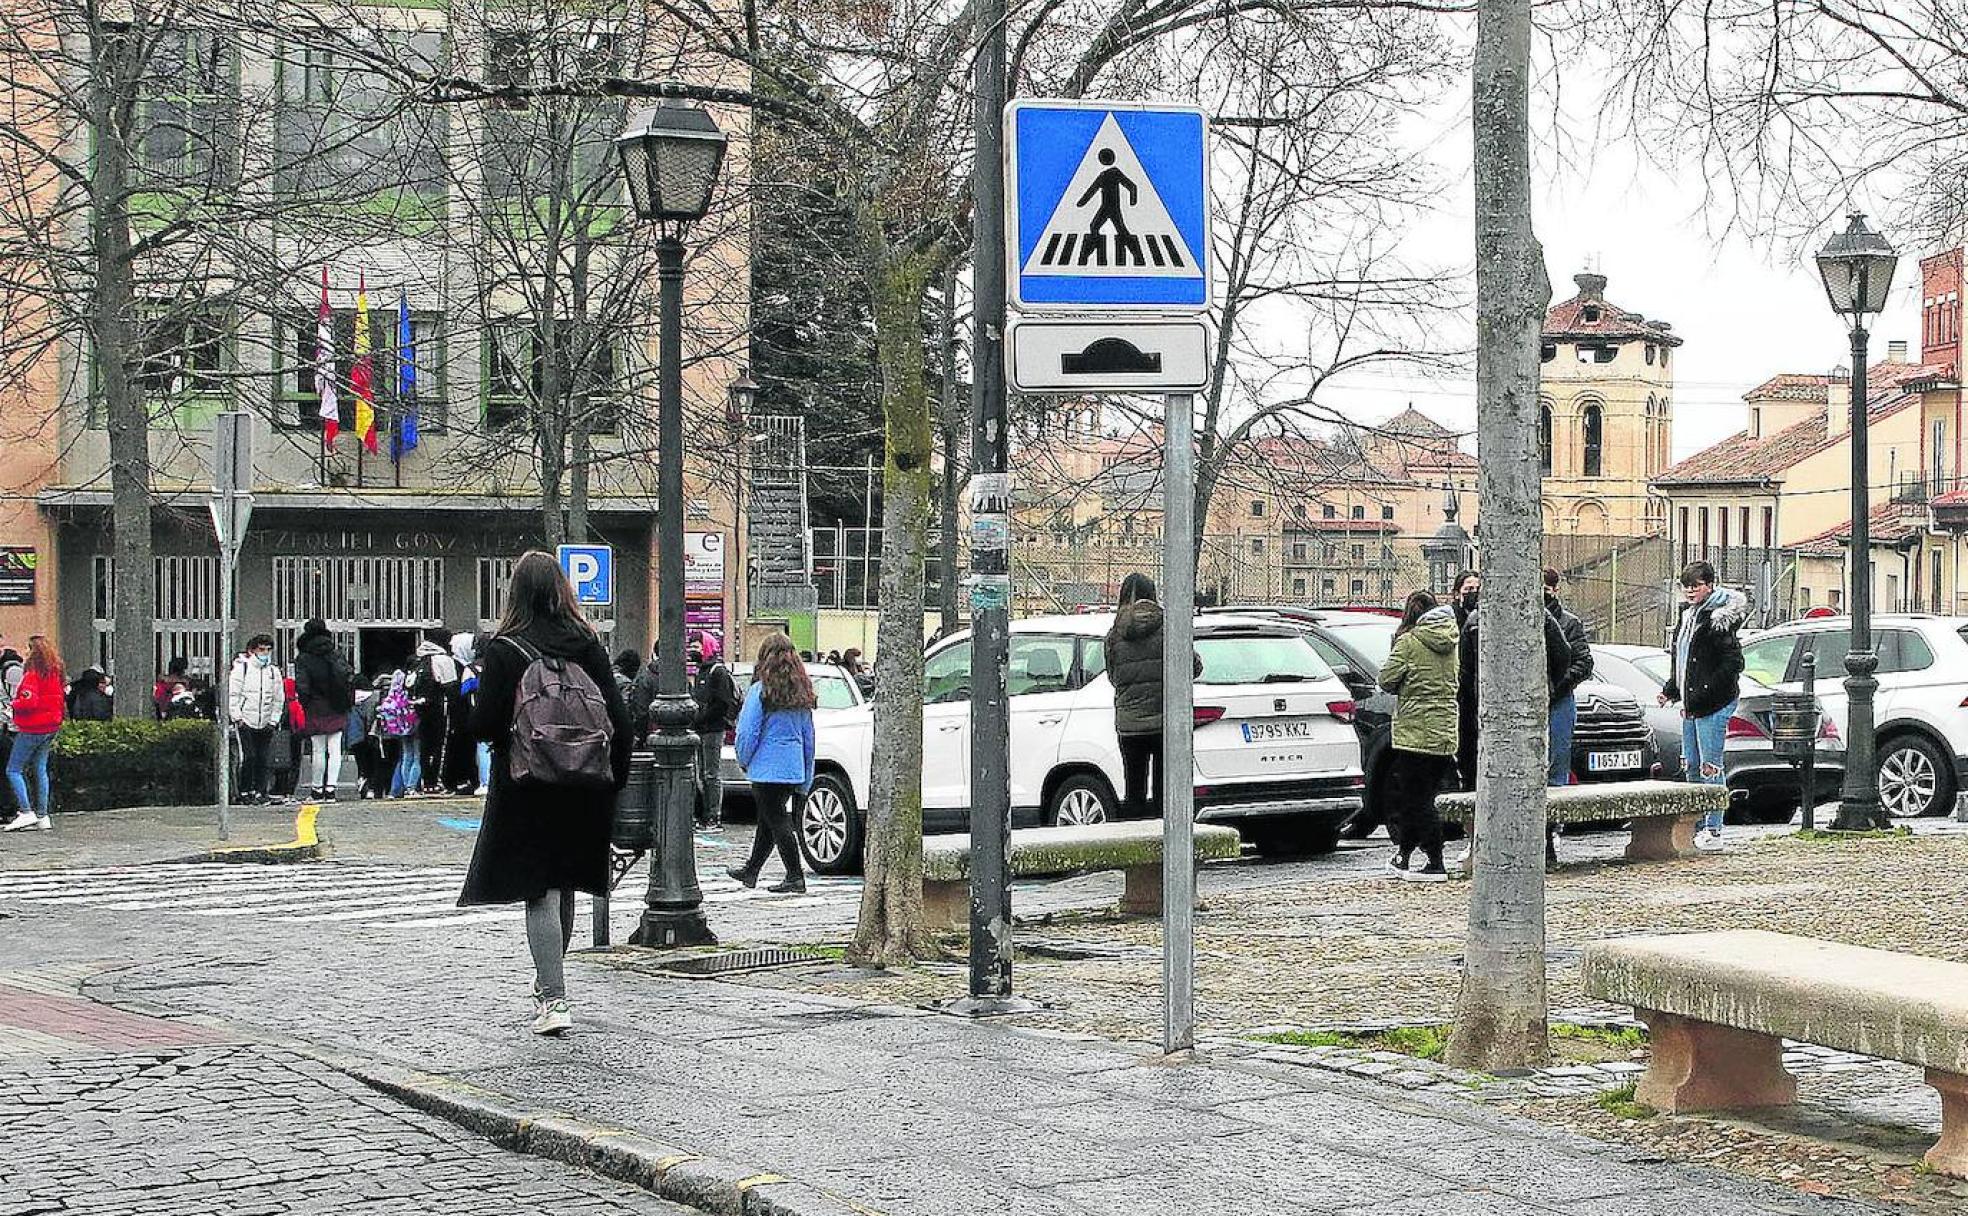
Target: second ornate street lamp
[1857,268]
[670,157]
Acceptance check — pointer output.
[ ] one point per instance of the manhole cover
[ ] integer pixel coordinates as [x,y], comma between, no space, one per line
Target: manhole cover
[737,960]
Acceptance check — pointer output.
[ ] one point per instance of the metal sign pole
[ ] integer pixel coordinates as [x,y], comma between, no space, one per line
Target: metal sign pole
[232,507]
[1178,726]
[222,676]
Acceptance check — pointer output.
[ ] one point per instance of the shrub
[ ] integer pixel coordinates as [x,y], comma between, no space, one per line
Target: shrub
[100,765]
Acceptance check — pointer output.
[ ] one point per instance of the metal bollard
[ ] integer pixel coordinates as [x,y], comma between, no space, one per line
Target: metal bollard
[633,830]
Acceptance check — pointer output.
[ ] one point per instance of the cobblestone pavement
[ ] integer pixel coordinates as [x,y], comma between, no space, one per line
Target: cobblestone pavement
[118,1113]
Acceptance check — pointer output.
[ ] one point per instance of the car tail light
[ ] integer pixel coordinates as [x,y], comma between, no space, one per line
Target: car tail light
[1829,730]
[1744,728]
[1343,710]
[1206,714]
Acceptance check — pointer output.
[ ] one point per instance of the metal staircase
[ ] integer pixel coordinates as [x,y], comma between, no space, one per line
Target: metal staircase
[777,524]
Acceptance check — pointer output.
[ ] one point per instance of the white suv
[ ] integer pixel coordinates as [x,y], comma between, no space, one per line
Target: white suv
[1920,713]
[1276,753]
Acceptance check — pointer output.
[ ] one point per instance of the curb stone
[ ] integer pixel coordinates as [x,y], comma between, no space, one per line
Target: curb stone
[305,846]
[709,1184]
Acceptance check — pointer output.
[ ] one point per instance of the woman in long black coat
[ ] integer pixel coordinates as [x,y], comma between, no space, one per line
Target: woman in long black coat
[538,844]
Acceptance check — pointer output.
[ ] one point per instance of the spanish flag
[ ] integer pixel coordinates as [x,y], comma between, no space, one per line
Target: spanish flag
[362,375]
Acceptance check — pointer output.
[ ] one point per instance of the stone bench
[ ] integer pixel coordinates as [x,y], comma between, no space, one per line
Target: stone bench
[1663,814]
[1133,848]
[1719,1005]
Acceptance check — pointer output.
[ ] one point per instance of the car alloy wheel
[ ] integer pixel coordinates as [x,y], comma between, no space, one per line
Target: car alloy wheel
[1079,807]
[1908,780]
[824,824]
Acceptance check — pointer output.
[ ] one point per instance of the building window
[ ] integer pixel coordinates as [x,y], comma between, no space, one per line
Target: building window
[1742,533]
[1594,428]
[1298,586]
[1769,527]
[1328,511]
[300,396]
[1387,591]
[1298,510]
[1547,352]
[1326,587]
[187,110]
[1544,440]
[515,379]
[1257,508]
[1704,532]
[1387,512]
[1356,589]
[1724,513]
[1650,354]
[1387,553]
[1835,599]
[1683,536]
[1359,512]
[1591,314]
[1663,357]
[1359,553]
[1257,546]
[1298,551]
[1330,553]
[183,351]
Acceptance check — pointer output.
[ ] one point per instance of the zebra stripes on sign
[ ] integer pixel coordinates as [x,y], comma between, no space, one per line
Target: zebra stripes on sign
[363,894]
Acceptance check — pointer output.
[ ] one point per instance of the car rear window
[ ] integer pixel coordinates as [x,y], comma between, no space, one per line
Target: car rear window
[1259,659]
[1372,639]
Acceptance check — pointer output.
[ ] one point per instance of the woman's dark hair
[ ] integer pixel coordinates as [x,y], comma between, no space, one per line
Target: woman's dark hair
[1418,603]
[540,593]
[628,663]
[1136,586]
[179,665]
[781,677]
[42,658]
[1461,578]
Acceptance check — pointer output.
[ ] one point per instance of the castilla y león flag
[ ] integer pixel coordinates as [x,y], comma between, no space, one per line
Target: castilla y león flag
[324,368]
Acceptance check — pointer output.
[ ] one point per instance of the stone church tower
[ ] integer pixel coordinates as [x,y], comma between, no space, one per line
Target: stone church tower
[1607,397]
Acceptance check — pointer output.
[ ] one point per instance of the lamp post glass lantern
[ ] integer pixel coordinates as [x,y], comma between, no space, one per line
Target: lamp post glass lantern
[1857,268]
[670,157]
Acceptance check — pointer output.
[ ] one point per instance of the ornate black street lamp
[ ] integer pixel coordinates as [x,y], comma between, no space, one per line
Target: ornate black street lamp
[670,157]
[1857,268]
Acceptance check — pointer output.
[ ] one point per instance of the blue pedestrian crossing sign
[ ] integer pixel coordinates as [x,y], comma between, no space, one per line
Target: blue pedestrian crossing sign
[591,568]
[1108,207]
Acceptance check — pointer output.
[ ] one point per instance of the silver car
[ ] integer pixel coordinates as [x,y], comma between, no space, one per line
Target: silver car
[1763,787]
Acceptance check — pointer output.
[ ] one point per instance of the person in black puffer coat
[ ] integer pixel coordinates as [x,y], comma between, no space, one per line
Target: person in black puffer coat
[1134,667]
[716,694]
[325,686]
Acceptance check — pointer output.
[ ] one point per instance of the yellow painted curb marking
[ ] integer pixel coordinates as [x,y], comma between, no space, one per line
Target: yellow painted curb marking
[305,836]
[746,1184]
[669,1163]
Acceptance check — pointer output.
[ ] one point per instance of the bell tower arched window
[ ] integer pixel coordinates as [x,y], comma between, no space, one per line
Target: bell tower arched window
[1544,439]
[1593,432]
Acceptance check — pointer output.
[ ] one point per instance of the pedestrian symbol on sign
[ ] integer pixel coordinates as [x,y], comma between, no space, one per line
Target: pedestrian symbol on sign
[1110,220]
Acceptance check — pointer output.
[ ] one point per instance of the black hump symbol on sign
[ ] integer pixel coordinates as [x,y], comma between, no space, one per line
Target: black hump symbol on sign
[1111,356]
[1107,186]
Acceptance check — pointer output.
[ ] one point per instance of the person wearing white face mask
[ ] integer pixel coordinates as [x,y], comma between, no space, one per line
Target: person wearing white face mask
[256,698]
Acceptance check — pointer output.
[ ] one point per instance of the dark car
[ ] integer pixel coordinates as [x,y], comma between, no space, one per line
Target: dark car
[1611,742]
[1764,788]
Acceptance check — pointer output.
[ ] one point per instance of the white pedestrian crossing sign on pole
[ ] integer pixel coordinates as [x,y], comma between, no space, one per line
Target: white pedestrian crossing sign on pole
[1109,207]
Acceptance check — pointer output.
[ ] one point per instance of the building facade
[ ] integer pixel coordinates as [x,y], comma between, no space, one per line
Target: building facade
[529,385]
[1606,415]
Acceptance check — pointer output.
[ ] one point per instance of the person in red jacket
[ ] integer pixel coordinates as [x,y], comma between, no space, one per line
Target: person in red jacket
[38,707]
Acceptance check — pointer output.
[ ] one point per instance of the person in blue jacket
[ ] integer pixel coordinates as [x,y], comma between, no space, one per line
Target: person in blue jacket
[775,748]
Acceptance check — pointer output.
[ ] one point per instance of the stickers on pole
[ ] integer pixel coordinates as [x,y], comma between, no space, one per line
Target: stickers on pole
[1108,207]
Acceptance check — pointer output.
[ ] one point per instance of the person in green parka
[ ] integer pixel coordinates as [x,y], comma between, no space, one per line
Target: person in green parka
[1421,670]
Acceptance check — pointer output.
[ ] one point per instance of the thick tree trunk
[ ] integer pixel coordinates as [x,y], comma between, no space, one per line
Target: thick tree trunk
[1500,1014]
[891,927]
[953,426]
[113,334]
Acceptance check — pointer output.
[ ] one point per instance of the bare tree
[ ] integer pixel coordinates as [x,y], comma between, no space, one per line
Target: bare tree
[1500,1012]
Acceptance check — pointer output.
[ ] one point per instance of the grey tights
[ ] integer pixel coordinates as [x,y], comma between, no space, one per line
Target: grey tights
[549,929]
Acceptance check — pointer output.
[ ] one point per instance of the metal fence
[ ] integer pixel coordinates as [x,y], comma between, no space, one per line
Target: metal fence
[1627,589]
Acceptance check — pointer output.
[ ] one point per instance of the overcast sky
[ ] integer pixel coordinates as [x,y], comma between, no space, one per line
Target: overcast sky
[1745,310]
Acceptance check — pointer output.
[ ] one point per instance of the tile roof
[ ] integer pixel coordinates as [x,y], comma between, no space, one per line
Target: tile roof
[1740,458]
[1568,320]
[1888,524]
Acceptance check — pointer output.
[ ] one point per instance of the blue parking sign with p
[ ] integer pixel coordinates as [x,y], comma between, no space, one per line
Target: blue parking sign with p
[1108,207]
[591,568]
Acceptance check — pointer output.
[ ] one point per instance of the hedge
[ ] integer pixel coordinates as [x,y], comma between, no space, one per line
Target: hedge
[100,765]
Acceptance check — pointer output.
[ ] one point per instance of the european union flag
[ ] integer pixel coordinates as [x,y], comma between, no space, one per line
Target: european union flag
[404,437]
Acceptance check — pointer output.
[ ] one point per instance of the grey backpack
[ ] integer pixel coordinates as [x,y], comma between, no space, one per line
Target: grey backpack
[560,730]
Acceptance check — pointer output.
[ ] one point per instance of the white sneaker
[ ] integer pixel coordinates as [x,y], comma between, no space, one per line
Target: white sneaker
[1709,840]
[22,823]
[554,1017]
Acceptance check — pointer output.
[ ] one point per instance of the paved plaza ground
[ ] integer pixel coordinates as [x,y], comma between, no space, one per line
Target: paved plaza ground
[844,1081]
